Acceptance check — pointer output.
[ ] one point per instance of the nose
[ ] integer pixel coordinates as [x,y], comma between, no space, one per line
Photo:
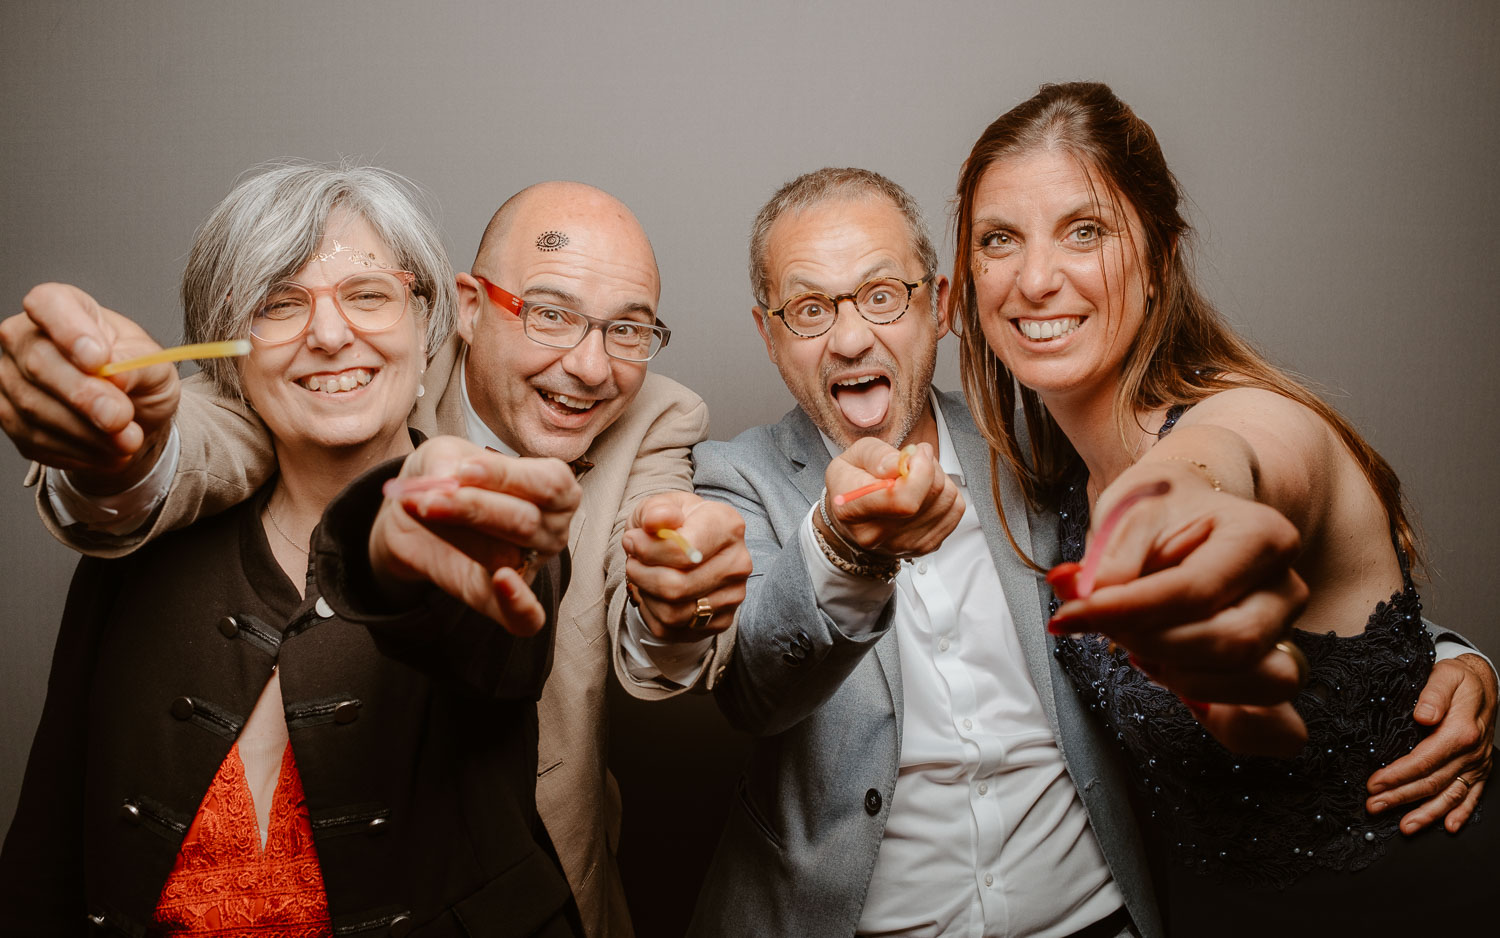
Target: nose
[327,331]
[1039,275]
[851,335]
[587,361]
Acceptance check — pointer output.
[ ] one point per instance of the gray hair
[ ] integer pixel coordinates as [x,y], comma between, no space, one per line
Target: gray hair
[825,185]
[273,222]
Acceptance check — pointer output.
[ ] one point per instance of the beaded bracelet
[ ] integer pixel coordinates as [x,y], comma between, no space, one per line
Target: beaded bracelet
[884,571]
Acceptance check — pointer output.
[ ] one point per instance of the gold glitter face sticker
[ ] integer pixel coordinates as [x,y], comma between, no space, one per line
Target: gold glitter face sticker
[550,240]
[363,258]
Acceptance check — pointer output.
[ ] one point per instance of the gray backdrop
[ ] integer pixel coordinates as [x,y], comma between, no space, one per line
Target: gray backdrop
[1341,159]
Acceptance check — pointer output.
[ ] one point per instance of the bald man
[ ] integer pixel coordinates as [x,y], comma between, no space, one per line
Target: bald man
[556,320]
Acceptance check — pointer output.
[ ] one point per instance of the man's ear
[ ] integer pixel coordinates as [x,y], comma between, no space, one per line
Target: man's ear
[762,324]
[942,296]
[470,300]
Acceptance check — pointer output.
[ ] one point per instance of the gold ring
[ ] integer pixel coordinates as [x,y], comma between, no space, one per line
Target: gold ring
[528,557]
[1467,784]
[1297,657]
[702,613]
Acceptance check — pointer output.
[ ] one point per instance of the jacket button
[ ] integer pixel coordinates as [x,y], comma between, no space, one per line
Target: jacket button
[322,608]
[400,926]
[228,627]
[182,708]
[873,802]
[346,712]
[130,813]
[376,826]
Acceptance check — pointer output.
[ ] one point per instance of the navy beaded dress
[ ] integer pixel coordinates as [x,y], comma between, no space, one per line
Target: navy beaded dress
[1259,846]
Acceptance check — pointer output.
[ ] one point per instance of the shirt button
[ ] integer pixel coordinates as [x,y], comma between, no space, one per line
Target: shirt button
[921,566]
[984,789]
[322,608]
[942,644]
[968,724]
[989,880]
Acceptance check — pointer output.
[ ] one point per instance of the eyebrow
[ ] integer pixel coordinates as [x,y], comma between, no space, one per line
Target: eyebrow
[886,268]
[563,298]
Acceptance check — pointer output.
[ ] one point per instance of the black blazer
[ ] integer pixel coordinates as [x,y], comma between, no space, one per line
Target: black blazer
[414,734]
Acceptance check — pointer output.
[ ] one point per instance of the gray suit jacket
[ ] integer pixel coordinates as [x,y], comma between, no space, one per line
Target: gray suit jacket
[799,847]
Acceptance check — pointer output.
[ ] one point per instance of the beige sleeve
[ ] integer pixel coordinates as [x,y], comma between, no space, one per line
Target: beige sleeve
[226,455]
[663,464]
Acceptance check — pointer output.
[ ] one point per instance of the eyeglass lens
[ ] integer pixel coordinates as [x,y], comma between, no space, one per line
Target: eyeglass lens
[563,328]
[368,301]
[880,301]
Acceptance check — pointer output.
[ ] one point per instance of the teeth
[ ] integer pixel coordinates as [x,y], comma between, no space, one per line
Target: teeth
[571,402]
[1041,330]
[333,384]
[855,382]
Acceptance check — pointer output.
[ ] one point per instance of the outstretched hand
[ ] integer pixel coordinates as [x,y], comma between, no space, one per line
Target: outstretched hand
[911,516]
[1198,586]
[55,408]
[682,599]
[1445,774]
[477,526]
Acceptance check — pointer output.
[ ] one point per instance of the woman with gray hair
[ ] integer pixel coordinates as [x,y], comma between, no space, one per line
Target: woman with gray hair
[220,753]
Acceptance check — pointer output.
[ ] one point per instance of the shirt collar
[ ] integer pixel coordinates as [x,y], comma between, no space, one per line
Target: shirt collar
[947,457]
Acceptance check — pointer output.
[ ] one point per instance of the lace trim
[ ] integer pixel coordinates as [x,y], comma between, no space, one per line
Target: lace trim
[1267,821]
[224,883]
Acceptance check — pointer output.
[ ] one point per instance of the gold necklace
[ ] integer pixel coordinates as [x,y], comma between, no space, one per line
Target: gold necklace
[284,536]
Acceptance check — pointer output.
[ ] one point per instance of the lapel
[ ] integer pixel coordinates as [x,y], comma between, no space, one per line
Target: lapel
[1020,582]
[799,440]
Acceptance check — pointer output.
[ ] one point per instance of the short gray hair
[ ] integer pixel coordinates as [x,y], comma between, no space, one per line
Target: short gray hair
[824,185]
[273,221]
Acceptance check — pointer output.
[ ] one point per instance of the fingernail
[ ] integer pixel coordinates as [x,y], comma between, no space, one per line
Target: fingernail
[1426,711]
[103,412]
[1376,788]
[88,353]
[1378,807]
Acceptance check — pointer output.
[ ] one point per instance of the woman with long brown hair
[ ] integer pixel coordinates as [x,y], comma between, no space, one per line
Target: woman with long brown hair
[1079,313]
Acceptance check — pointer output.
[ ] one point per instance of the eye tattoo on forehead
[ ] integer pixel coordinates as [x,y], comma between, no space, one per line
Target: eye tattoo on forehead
[550,240]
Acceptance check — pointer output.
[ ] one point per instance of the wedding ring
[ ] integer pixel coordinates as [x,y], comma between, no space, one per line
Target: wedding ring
[1297,657]
[702,613]
[1467,784]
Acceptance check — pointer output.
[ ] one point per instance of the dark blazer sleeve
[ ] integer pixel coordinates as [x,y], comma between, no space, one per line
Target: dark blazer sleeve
[41,865]
[437,634]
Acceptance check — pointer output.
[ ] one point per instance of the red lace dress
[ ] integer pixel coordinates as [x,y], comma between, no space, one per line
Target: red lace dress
[224,883]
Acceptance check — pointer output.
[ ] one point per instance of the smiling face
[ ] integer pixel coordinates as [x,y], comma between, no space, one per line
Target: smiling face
[1059,277]
[336,387]
[570,246]
[858,379]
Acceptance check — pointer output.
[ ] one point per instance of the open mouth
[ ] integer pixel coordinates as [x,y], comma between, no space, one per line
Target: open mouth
[864,400]
[1046,330]
[337,382]
[564,404]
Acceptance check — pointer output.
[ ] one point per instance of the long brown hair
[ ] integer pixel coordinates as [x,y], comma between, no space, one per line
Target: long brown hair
[1184,351]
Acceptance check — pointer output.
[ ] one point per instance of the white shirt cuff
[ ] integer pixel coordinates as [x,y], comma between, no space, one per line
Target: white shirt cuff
[1446,648]
[648,659]
[854,602]
[123,512]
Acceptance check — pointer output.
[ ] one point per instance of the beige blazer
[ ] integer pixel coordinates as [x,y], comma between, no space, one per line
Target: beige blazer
[227,454]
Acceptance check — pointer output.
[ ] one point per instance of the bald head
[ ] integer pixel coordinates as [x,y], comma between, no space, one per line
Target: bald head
[540,216]
[568,246]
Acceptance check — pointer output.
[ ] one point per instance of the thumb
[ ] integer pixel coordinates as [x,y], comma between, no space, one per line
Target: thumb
[1432,704]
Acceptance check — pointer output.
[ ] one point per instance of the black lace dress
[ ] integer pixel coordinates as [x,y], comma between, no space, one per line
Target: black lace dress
[1256,846]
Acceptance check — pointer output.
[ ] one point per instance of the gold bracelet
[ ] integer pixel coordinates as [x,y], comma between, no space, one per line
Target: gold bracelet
[1201,468]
